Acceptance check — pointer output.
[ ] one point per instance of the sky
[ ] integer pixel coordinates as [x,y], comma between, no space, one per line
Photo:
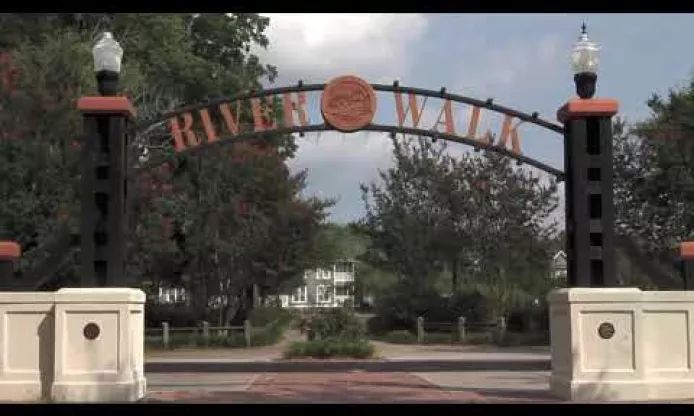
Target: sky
[520,60]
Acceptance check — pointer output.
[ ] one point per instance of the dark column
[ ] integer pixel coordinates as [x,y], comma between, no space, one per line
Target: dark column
[589,192]
[104,190]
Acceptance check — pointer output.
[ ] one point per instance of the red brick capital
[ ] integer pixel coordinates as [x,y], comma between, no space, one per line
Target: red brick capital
[687,250]
[106,105]
[594,107]
[9,251]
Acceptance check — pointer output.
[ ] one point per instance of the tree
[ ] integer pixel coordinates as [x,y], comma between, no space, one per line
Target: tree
[476,218]
[208,220]
[402,217]
[654,184]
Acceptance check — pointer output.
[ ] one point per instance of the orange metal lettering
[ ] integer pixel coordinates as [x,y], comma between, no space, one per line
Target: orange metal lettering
[488,137]
[290,106]
[177,131]
[208,126]
[231,122]
[512,131]
[402,112]
[474,121]
[447,113]
[262,116]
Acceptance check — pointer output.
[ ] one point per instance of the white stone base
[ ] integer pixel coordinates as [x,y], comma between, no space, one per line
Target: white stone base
[21,391]
[648,356]
[47,353]
[621,390]
[97,392]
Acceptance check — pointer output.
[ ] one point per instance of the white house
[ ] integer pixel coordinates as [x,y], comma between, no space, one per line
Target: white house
[559,266]
[324,288]
[168,295]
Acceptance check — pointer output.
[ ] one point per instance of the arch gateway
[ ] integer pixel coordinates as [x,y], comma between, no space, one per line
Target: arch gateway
[607,343]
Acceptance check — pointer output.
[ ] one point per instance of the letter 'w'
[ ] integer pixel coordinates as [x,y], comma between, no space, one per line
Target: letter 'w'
[412,108]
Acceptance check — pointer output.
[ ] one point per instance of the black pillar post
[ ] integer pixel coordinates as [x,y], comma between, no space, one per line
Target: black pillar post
[589,192]
[104,190]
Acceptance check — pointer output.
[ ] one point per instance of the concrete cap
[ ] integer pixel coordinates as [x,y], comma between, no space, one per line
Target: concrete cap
[612,294]
[595,294]
[26,297]
[99,294]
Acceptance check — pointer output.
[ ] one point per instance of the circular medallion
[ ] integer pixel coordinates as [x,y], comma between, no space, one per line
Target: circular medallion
[91,330]
[348,103]
[606,330]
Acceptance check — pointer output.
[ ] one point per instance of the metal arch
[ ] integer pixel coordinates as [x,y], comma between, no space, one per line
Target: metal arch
[488,104]
[371,127]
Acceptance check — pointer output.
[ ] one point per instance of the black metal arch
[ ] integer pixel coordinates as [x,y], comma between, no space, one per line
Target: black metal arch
[488,104]
[521,159]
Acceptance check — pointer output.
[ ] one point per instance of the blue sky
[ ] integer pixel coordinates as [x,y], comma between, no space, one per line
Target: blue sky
[521,60]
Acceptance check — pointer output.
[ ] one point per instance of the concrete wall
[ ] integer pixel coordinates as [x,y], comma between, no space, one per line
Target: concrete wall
[621,344]
[47,354]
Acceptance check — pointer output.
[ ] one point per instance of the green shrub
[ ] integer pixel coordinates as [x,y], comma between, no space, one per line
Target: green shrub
[267,335]
[381,325]
[260,336]
[234,339]
[399,337]
[176,315]
[440,338]
[330,347]
[400,308]
[516,339]
[338,323]
[266,315]
[478,338]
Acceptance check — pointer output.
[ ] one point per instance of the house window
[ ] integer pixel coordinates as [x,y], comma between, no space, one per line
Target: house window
[343,290]
[344,267]
[323,274]
[322,294]
[299,295]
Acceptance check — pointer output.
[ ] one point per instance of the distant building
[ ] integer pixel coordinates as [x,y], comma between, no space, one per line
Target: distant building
[559,267]
[324,288]
[167,295]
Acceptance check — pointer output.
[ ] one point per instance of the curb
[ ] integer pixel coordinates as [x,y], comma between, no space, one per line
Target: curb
[318,366]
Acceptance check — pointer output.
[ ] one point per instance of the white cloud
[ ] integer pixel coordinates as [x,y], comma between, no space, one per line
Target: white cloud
[515,66]
[314,47]
[337,163]
[317,47]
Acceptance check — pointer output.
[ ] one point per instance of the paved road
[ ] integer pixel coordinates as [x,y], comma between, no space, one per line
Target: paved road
[350,387]
[398,374]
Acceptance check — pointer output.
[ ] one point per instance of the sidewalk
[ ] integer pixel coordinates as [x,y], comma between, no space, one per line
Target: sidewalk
[344,387]
[398,374]
[384,352]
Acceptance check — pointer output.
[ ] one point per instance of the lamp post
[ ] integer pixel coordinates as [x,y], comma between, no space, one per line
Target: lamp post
[107,54]
[584,62]
[104,187]
[589,174]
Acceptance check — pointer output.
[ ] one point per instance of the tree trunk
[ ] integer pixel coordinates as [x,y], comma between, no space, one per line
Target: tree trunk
[454,276]
[232,308]
[256,296]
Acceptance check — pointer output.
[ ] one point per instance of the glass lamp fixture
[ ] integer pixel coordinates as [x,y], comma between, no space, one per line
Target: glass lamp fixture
[107,62]
[584,63]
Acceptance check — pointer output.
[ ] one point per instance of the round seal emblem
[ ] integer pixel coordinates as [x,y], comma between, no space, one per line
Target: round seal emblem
[91,331]
[606,330]
[348,103]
